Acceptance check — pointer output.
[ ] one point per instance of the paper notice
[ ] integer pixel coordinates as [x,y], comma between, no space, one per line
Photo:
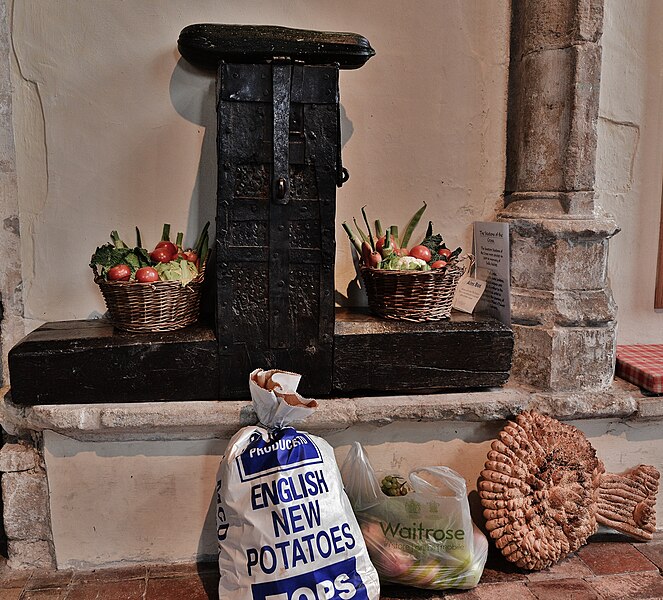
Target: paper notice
[468,292]
[491,251]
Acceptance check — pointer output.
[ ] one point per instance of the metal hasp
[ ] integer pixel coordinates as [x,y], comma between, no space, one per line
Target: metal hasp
[279,163]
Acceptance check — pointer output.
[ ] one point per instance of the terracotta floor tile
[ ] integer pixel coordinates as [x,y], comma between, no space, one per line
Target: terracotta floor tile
[101,575]
[610,559]
[178,570]
[49,594]
[132,589]
[653,551]
[12,578]
[568,568]
[496,591]
[192,587]
[568,589]
[390,591]
[635,586]
[499,569]
[42,580]
[10,594]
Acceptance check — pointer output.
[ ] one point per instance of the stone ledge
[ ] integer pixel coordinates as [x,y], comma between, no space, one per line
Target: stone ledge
[210,419]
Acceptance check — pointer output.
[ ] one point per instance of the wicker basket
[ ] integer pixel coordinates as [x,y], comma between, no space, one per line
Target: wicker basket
[412,295]
[158,306]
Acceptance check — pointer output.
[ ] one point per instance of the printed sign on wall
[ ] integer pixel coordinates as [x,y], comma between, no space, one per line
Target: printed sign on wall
[491,251]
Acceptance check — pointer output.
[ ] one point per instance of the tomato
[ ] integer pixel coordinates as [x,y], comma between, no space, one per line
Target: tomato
[147,275]
[421,252]
[172,248]
[119,273]
[445,252]
[438,264]
[191,256]
[161,255]
[379,246]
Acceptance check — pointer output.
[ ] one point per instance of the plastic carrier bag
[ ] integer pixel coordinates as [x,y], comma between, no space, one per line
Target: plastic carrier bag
[418,531]
[285,526]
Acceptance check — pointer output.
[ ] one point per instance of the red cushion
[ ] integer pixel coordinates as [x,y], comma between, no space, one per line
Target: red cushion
[641,364]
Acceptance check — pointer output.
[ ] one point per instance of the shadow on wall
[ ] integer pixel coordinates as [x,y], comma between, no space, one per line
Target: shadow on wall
[192,93]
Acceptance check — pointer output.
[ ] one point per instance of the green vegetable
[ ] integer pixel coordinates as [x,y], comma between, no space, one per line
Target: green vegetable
[435,243]
[165,233]
[411,226]
[117,242]
[362,233]
[379,232]
[117,253]
[394,485]
[202,244]
[404,263]
[370,235]
[353,239]
[177,270]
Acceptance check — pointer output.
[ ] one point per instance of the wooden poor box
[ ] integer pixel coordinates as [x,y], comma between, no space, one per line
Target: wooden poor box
[279,164]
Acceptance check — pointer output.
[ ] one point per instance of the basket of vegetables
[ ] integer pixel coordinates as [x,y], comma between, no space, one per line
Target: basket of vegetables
[151,291]
[409,285]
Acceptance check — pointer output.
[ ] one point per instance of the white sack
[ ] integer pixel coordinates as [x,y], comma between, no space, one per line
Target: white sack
[286,529]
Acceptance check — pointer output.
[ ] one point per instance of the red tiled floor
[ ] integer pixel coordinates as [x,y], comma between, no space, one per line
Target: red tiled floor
[131,589]
[610,559]
[498,569]
[635,586]
[653,551]
[103,575]
[43,580]
[192,587]
[12,578]
[568,568]
[50,594]
[497,591]
[568,589]
[601,571]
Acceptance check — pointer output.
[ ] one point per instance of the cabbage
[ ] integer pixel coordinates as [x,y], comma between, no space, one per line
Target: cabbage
[404,263]
[177,270]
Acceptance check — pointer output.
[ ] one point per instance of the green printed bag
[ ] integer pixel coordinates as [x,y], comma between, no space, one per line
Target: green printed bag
[421,534]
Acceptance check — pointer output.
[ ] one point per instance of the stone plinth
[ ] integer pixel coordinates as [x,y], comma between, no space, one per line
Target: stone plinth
[144,473]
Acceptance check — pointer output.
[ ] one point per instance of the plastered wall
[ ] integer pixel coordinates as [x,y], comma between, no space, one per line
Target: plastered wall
[630,159]
[113,130]
[154,501]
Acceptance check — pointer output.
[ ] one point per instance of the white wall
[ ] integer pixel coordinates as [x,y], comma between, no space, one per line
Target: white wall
[113,130]
[153,501]
[630,159]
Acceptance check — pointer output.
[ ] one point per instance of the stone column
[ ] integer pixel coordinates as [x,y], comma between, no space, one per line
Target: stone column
[12,325]
[563,309]
[26,507]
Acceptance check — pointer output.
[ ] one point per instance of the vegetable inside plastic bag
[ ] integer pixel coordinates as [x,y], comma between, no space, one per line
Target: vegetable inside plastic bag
[424,538]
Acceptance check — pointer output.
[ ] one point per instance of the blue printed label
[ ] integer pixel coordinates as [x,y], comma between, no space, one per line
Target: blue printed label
[339,581]
[284,451]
